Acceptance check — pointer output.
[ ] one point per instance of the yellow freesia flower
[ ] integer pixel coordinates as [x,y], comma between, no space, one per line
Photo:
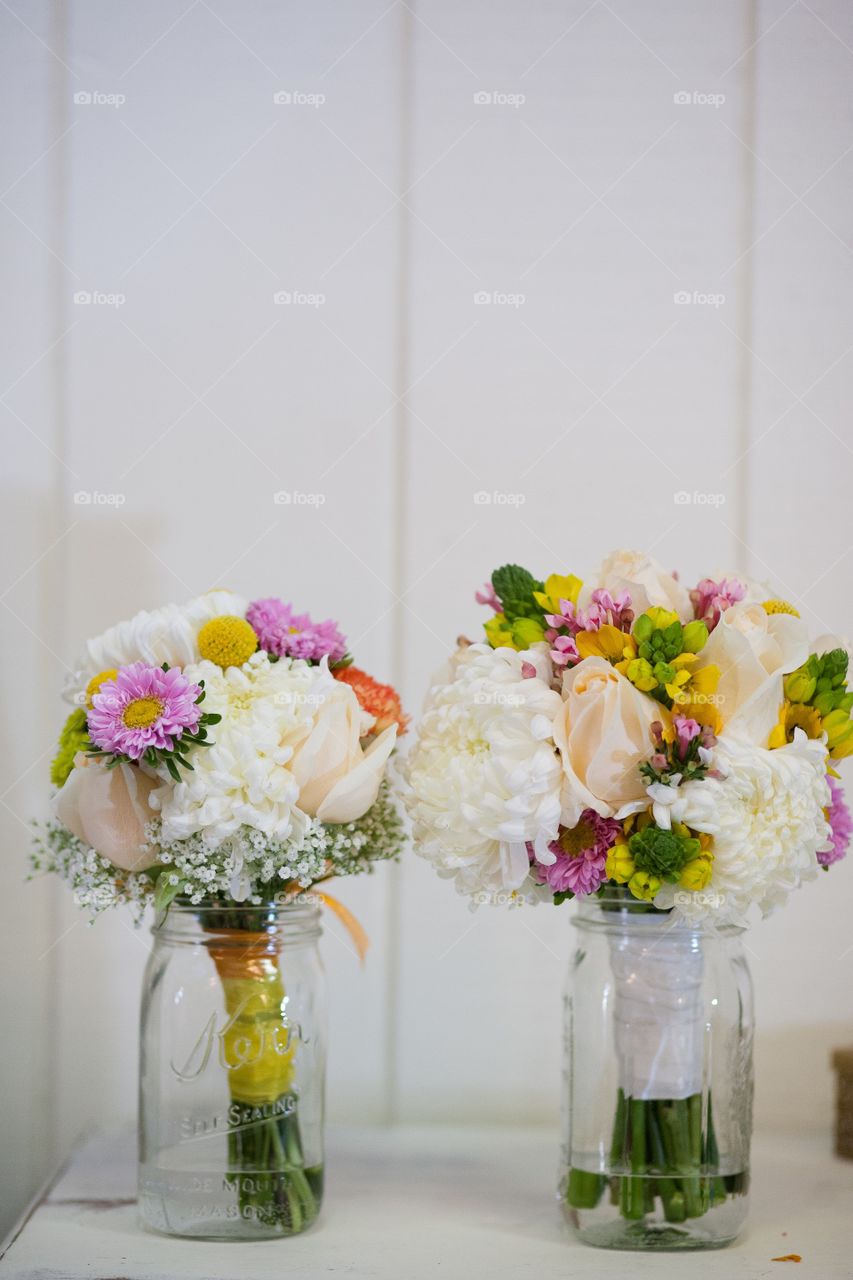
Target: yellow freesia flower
[660,617]
[794,715]
[499,632]
[558,586]
[619,865]
[607,642]
[645,886]
[696,875]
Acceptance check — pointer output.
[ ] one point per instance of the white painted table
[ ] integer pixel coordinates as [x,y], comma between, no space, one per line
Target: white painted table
[457,1204]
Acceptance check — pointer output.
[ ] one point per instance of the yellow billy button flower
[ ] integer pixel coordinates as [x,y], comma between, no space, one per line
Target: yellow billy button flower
[558,586]
[95,683]
[228,641]
[619,865]
[780,606]
[607,642]
[645,886]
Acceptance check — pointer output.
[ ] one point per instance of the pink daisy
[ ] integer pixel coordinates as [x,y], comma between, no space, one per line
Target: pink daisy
[581,854]
[841,824]
[143,707]
[289,635]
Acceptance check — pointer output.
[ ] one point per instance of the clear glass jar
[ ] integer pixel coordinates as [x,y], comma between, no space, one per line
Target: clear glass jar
[232,1072]
[658,1080]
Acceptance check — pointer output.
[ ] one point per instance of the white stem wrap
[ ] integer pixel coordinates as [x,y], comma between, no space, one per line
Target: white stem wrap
[658,1011]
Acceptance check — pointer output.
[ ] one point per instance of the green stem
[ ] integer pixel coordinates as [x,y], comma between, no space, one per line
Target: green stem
[639,1167]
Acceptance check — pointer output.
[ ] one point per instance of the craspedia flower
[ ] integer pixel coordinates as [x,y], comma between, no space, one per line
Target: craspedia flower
[95,683]
[780,606]
[286,634]
[379,700]
[73,738]
[143,707]
[228,641]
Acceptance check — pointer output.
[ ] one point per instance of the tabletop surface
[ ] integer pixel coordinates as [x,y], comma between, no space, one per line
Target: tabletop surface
[432,1201]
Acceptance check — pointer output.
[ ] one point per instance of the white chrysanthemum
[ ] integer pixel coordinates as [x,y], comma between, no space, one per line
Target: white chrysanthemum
[267,709]
[155,636]
[768,822]
[484,776]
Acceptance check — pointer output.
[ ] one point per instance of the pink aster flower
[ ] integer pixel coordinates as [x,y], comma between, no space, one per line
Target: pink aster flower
[581,855]
[711,598]
[143,707]
[841,825]
[291,635]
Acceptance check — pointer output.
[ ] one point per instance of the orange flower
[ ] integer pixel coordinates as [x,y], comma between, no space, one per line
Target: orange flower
[379,700]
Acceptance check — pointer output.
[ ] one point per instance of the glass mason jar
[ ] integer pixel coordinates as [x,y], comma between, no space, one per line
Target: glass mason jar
[658,1080]
[232,1072]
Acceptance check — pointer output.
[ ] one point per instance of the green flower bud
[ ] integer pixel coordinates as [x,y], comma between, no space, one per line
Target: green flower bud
[643,628]
[640,673]
[527,631]
[800,685]
[694,636]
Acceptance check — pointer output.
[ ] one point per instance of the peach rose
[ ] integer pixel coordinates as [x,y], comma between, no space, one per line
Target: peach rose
[646,580]
[338,780]
[753,650]
[603,734]
[108,809]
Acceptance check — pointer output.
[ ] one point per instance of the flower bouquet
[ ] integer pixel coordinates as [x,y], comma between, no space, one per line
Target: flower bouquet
[666,757]
[221,759]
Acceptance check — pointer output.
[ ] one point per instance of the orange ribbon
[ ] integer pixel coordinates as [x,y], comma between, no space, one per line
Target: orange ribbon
[356,931]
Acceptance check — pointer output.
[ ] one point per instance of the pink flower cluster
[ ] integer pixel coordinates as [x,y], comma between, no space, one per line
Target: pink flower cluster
[711,598]
[603,609]
[286,634]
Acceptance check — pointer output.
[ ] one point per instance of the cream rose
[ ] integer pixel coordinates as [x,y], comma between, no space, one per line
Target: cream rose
[603,734]
[338,781]
[108,809]
[753,650]
[647,581]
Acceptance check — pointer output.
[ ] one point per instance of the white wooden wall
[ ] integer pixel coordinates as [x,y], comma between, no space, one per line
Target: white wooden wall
[580,198]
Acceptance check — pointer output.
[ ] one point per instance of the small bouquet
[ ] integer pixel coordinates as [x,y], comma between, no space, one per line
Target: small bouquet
[227,755]
[670,750]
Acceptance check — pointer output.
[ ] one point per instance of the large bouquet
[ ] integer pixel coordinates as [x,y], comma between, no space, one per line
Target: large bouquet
[223,753]
[670,750]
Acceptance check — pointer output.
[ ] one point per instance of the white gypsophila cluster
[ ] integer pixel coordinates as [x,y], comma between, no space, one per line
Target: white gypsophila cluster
[767,817]
[155,636]
[483,777]
[248,867]
[242,780]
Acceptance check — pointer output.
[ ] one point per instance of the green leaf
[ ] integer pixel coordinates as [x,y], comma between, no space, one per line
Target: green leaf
[165,892]
[211,717]
[173,768]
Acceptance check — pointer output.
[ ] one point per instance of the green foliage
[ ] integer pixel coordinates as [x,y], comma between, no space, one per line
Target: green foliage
[514,588]
[73,738]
